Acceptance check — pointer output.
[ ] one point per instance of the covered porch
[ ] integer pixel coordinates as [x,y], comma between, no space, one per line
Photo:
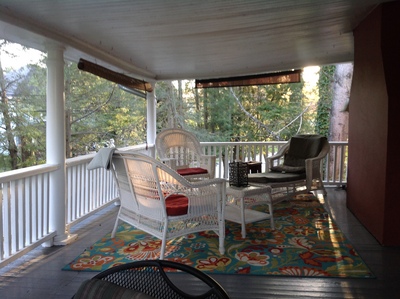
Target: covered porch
[54,203]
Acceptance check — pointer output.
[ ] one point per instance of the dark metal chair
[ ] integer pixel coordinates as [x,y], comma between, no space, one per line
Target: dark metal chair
[150,277]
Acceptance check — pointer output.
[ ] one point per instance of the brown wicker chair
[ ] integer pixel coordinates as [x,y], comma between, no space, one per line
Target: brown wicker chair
[297,166]
[149,279]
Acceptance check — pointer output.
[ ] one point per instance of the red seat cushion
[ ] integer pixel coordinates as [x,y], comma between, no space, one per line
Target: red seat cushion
[177,205]
[191,171]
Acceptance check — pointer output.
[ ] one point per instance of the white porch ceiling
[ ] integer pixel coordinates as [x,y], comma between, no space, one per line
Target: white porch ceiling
[191,39]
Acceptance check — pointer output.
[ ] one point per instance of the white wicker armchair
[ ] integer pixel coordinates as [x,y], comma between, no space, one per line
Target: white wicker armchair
[159,201]
[181,150]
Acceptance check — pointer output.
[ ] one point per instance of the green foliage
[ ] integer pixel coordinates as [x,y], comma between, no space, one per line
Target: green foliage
[22,117]
[99,111]
[250,113]
[29,116]
[281,107]
[96,112]
[325,81]
[169,106]
[219,113]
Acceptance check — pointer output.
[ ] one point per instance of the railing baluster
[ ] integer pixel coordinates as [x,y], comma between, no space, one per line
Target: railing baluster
[7,233]
[29,208]
[335,153]
[342,158]
[2,221]
[43,208]
[15,214]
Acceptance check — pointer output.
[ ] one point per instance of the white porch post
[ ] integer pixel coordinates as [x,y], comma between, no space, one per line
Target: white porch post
[151,117]
[55,143]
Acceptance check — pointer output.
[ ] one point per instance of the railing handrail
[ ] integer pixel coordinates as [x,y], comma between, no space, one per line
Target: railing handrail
[88,157]
[22,173]
[204,143]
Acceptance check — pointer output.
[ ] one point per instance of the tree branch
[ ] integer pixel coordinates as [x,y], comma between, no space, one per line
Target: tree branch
[259,123]
[95,109]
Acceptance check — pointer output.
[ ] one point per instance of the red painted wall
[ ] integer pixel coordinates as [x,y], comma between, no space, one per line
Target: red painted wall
[374,125]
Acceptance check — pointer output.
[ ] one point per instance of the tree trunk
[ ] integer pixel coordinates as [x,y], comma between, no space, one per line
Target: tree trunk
[205,110]
[68,133]
[339,125]
[339,129]
[173,113]
[26,153]
[7,123]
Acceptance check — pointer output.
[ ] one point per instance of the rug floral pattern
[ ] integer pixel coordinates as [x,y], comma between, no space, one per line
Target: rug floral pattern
[306,242]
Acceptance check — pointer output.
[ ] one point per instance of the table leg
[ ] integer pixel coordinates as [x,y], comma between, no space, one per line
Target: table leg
[242,207]
[221,223]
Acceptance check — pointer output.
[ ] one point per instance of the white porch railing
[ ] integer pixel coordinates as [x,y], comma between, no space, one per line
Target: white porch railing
[24,194]
[24,211]
[334,167]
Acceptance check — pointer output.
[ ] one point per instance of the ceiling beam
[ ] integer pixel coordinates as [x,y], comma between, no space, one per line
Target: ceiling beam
[110,75]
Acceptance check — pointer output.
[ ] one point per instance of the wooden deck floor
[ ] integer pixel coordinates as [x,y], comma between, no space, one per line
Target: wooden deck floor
[39,275]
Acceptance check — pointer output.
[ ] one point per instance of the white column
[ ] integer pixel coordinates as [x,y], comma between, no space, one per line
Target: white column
[55,143]
[151,117]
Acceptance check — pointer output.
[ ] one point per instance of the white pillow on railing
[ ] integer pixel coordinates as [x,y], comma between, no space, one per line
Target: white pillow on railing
[102,159]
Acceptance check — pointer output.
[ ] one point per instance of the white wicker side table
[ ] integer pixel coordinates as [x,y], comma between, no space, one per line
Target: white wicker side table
[236,211]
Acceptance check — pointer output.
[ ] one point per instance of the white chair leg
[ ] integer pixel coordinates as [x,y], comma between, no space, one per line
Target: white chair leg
[221,235]
[164,241]
[114,231]
[271,214]
[221,244]
[162,253]
[242,217]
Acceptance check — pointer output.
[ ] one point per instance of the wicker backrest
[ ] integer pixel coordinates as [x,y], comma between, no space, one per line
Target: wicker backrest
[181,150]
[178,144]
[150,277]
[144,174]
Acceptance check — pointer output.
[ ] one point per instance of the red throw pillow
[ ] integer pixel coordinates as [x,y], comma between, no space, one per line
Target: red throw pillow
[191,171]
[177,205]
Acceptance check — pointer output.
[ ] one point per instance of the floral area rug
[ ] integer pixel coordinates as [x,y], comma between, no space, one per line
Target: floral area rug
[306,242]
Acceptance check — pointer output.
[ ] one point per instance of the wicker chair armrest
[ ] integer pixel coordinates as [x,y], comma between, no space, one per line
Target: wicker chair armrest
[187,187]
[281,152]
[208,162]
[313,165]
[171,162]
[202,183]
[324,151]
